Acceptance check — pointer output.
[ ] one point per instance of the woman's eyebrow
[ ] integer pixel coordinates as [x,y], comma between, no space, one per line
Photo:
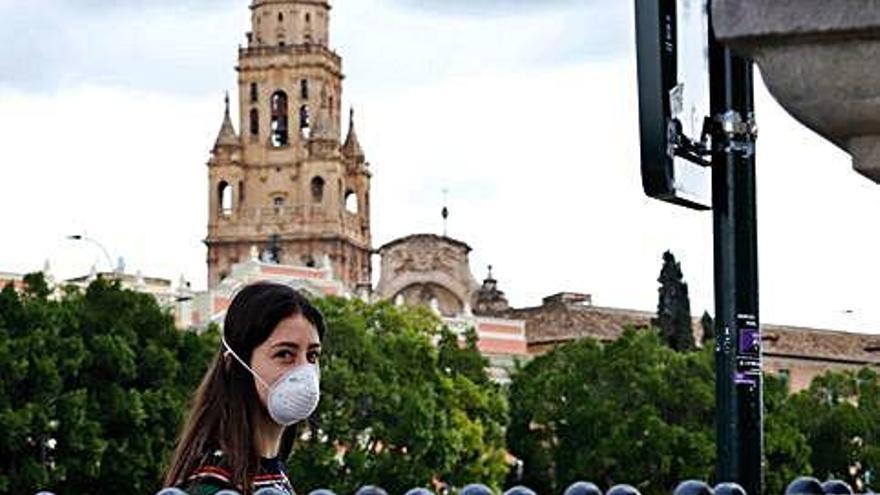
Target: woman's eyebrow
[285,344]
[313,345]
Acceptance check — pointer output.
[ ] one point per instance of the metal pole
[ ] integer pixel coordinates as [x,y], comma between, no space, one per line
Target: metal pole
[739,399]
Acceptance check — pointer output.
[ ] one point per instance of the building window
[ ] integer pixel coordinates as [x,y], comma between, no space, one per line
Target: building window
[280,17]
[224,198]
[280,135]
[240,192]
[304,122]
[254,92]
[308,17]
[255,122]
[304,89]
[351,202]
[318,189]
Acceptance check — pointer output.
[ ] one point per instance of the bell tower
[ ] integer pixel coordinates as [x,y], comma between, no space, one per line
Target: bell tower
[287,180]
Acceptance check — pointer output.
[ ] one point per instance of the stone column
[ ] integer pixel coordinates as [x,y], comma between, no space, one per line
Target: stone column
[821,60]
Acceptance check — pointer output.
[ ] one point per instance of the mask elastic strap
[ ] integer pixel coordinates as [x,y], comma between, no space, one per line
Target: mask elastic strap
[229,351]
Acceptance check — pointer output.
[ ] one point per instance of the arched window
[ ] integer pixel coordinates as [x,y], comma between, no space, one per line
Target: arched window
[318,189]
[254,92]
[255,122]
[304,89]
[304,122]
[351,202]
[280,135]
[331,105]
[308,17]
[224,198]
[280,17]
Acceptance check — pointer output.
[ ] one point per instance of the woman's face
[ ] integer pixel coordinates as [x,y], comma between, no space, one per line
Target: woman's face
[294,342]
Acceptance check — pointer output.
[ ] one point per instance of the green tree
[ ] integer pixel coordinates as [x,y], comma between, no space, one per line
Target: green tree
[396,410]
[786,449]
[465,360]
[631,411]
[94,387]
[839,415]
[674,306]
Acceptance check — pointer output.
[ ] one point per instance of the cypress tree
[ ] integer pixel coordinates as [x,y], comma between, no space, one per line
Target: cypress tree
[674,306]
[708,324]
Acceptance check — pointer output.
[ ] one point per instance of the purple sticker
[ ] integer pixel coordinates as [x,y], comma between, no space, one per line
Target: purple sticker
[749,340]
[745,379]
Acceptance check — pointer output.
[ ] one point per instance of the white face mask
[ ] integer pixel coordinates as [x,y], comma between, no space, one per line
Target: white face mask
[294,396]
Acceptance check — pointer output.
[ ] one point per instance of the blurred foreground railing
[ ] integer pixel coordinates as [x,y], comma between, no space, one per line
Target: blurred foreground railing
[805,485]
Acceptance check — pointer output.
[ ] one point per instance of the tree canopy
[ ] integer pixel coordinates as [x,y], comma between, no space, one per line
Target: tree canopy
[397,410]
[95,385]
[630,411]
[635,411]
[839,418]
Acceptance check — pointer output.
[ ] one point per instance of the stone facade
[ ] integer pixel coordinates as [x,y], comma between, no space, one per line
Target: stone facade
[428,269]
[286,183]
[813,61]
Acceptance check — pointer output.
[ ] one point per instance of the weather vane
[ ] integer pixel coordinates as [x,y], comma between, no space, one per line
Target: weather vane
[445,211]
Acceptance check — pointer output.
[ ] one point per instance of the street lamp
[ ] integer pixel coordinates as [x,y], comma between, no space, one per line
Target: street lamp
[79,237]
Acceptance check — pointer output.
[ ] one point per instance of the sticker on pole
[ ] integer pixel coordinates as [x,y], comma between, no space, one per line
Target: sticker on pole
[673,69]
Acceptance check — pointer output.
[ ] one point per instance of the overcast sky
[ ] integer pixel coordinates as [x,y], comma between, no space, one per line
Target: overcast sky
[524,110]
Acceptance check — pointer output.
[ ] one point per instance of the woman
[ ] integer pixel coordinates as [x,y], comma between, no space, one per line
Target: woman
[263,380]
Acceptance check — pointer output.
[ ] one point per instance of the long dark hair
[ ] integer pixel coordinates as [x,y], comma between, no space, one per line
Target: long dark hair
[226,408]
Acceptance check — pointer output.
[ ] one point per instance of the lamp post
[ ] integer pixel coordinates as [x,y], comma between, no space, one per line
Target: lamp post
[79,237]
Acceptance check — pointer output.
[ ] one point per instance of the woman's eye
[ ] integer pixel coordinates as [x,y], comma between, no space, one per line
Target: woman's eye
[313,356]
[284,355]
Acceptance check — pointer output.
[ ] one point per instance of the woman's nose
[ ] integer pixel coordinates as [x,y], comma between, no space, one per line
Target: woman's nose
[301,359]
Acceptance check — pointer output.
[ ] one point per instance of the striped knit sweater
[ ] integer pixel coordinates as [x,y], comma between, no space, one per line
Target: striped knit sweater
[214,475]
